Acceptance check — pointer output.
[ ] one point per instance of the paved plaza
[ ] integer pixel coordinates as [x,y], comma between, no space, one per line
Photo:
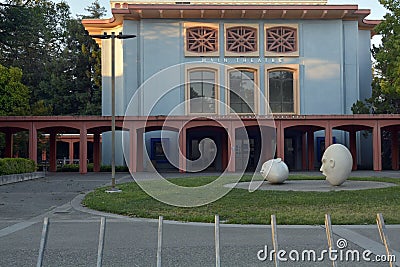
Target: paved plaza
[74,230]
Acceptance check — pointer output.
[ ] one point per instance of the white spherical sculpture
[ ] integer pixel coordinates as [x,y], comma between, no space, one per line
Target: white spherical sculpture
[275,171]
[336,164]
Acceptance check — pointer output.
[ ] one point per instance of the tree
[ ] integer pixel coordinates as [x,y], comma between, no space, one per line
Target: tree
[386,84]
[60,62]
[14,96]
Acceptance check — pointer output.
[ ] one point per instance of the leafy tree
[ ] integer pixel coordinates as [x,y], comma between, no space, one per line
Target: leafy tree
[386,84]
[14,96]
[60,62]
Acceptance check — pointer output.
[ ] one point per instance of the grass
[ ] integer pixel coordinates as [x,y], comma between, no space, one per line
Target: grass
[241,207]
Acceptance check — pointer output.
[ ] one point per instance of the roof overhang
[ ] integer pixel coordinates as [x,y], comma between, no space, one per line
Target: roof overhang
[127,11]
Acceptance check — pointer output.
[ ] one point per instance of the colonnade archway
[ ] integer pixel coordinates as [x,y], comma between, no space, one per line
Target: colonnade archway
[292,135]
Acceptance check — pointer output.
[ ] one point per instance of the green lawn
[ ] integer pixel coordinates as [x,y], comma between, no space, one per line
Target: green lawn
[241,207]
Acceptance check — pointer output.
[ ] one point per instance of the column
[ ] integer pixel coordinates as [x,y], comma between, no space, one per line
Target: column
[53,152]
[96,152]
[395,149]
[328,135]
[33,142]
[353,148]
[182,147]
[139,149]
[71,151]
[310,144]
[304,151]
[83,150]
[280,141]
[132,149]
[377,147]
[231,149]
[9,145]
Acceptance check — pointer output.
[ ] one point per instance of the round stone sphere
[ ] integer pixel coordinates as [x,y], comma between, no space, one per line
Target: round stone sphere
[275,171]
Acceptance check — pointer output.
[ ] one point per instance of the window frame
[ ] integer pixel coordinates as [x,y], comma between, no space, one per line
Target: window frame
[194,68]
[257,91]
[277,54]
[246,54]
[188,25]
[294,68]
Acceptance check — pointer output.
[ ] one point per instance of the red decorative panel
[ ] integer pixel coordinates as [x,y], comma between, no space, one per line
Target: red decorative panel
[241,39]
[201,39]
[281,40]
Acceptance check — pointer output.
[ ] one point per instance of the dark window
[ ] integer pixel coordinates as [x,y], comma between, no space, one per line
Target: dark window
[241,91]
[281,93]
[202,91]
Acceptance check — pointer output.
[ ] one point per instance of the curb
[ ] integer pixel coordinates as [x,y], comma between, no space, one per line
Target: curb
[21,177]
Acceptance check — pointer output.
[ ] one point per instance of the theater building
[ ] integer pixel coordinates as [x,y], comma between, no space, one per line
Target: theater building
[303,63]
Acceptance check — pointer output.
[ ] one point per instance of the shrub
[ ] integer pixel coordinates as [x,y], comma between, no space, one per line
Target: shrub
[16,165]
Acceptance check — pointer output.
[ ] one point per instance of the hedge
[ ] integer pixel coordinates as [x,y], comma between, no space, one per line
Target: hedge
[103,168]
[16,165]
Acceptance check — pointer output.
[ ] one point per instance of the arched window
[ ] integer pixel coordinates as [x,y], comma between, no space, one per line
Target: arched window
[241,39]
[242,90]
[281,39]
[281,91]
[202,91]
[201,39]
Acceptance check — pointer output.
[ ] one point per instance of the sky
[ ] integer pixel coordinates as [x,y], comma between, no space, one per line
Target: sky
[377,11]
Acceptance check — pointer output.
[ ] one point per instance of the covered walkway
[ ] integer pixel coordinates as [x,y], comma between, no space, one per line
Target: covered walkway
[306,125]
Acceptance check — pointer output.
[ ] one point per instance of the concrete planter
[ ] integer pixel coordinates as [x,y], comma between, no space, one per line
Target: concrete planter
[15,178]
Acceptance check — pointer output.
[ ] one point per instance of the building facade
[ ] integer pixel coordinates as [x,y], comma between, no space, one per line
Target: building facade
[243,62]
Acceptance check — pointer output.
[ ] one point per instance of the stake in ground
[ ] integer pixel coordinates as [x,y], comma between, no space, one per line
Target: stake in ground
[242,207]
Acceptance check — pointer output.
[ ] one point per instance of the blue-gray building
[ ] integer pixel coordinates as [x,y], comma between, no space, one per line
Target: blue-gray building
[220,58]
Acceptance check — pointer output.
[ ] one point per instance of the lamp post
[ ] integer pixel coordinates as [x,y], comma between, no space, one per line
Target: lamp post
[112,36]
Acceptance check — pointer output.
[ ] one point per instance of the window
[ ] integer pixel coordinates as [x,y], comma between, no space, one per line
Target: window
[281,91]
[241,39]
[201,39]
[202,91]
[241,90]
[281,40]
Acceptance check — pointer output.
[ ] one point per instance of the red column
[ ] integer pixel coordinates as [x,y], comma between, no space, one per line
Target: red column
[96,152]
[280,141]
[182,146]
[9,145]
[83,150]
[304,151]
[33,142]
[328,135]
[395,150]
[231,149]
[139,150]
[71,151]
[377,147]
[353,148]
[132,149]
[53,152]
[310,144]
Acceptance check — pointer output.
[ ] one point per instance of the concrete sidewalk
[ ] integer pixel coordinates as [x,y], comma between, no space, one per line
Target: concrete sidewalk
[73,232]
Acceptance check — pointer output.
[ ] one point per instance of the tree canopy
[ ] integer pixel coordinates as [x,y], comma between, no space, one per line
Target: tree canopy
[60,63]
[386,84]
[14,96]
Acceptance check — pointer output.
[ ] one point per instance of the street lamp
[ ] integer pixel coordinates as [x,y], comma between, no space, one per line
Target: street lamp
[112,36]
